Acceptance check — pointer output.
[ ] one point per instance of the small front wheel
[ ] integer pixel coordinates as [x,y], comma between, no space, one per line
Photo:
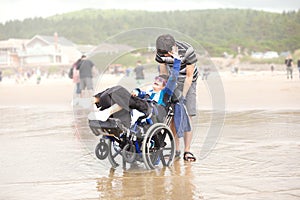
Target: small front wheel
[102,150]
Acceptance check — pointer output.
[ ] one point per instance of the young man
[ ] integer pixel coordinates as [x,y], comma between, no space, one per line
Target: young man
[187,78]
[117,99]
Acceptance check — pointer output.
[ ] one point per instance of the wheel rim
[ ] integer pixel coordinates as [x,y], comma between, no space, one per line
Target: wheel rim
[161,154]
[129,153]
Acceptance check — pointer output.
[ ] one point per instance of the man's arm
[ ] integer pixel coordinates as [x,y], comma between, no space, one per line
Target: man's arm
[163,69]
[188,80]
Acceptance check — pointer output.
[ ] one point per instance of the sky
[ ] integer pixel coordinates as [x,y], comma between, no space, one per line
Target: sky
[22,9]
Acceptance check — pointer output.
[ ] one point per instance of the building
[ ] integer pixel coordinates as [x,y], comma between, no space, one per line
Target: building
[9,52]
[38,51]
[49,50]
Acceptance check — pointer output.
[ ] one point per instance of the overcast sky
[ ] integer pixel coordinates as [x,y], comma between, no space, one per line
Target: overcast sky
[21,9]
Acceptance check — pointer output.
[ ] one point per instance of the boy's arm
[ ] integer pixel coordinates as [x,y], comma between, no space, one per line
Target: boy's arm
[137,92]
[171,84]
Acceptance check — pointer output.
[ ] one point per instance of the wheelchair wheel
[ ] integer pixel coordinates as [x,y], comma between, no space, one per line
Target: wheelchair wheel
[102,150]
[158,147]
[115,154]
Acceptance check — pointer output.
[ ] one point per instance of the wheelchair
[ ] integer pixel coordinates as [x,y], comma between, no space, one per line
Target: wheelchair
[152,144]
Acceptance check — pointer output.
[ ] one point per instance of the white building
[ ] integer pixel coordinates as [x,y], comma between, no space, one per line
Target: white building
[49,50]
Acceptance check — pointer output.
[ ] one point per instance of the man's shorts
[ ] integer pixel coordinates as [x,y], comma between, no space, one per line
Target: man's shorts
[86,83]
[190,98]
[289,69]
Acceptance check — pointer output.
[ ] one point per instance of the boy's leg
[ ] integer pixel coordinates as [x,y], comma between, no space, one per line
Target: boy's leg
[139,104]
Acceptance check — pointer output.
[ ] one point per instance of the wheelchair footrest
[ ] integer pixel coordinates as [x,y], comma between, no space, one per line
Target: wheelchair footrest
[111,126]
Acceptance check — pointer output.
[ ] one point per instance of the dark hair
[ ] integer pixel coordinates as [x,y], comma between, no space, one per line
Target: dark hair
[164,43]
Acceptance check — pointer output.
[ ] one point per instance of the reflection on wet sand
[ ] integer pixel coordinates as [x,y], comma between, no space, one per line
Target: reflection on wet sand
[176,182]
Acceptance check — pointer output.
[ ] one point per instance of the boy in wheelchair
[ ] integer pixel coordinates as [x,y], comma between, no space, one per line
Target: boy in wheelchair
[148,134]
[118,102]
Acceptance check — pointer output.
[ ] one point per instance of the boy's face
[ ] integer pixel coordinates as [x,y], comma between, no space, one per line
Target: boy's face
[158,84]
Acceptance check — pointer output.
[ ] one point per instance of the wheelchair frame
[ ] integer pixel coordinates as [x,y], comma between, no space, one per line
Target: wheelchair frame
[151,144]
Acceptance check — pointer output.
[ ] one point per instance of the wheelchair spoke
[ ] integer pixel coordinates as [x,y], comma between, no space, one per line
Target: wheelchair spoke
[162,158]
[115,154]
[115,150]
[163,134]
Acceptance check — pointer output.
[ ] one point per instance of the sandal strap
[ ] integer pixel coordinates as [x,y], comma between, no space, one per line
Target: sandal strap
[187,158]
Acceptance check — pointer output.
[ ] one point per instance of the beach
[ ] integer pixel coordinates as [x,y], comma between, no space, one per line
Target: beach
[47,149]
[247,90]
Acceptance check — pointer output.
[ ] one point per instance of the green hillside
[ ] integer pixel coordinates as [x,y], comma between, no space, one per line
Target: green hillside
[217,30]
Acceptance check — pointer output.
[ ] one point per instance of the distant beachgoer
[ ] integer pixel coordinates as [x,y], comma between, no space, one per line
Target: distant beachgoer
[76,78]
[205,73]
[289,67]
[38,76]
[236,69]
[139,73]
[272,68]
[128,71]
[85,68]
[298,65]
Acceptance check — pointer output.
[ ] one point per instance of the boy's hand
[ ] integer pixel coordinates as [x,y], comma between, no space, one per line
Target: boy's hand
[134,93]
[174,52]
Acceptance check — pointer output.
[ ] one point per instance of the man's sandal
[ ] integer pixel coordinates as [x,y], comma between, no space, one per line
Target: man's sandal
[188,156]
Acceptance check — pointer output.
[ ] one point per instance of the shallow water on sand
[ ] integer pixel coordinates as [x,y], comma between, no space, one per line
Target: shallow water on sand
[48,153]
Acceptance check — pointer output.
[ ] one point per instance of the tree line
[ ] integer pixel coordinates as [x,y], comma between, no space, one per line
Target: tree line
[219,30]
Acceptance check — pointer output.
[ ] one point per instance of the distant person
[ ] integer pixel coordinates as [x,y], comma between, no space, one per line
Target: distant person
[236,69]
[128,71]
[38,76]
[86,68]
[139,73]
[298,65]
[272,68]
[289,67]
[76,78]
[205,73]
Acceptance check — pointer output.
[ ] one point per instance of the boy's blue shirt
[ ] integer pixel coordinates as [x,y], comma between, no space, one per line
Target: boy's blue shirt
[169,88]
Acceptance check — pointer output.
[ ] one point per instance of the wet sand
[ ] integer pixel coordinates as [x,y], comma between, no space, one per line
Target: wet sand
[46,147]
